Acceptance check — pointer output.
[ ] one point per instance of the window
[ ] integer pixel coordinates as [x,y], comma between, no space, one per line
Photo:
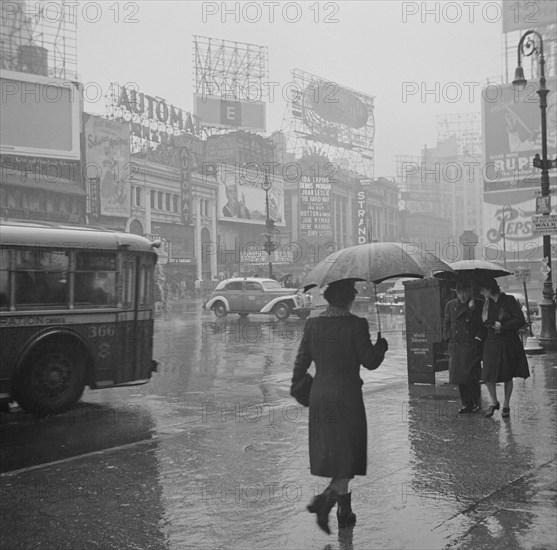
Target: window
[138,196]
[269,285]
[152,199]
[146,284]
[237,285]
[128,284]
[167,200]
[175,203]
[159,200]
[41,277]
[253,287]
[4,278]
[95,278]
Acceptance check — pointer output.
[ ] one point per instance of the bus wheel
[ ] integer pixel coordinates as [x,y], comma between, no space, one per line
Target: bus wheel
[220,310]
[282,311]
[52,379]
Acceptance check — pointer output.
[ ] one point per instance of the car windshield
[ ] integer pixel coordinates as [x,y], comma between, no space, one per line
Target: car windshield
[271,285]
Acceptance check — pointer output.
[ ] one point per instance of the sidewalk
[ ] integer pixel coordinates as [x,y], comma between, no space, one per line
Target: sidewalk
[435,479]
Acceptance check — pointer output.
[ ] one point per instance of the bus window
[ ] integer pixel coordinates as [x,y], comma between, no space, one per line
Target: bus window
[128,284]
[95,278]
[41,277]
[4,278]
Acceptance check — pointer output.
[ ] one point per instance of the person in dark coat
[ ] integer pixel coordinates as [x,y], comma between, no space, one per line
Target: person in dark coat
[463,329]
[504,357]
[338,342]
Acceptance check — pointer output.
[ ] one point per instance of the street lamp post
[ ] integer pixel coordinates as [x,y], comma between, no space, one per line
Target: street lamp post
[532,43]
[504,232]
[269,224]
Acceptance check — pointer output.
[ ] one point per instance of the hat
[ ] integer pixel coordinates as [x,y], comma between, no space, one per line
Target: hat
[463,285]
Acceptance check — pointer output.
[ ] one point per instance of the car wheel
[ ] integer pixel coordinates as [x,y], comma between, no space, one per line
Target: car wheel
[219,310]
[304,314]
[52,379]
[244,315]
[282,311]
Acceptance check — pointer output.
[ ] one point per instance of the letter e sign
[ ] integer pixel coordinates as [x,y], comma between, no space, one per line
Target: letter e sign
[231,113]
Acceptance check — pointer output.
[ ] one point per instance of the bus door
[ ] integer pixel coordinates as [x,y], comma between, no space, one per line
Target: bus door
[135,320]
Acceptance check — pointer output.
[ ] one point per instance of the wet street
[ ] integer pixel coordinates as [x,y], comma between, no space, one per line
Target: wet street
[212,453]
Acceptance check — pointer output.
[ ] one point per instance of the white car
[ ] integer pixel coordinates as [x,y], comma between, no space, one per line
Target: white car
[245,295]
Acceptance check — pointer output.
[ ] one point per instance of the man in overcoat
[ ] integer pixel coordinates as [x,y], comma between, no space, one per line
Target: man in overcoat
[463,329]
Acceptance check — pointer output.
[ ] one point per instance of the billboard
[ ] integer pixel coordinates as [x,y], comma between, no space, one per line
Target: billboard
[527,14]
[241,197]
[107,157]
[315,207]
[514,221]
[40,116]
[331,113]
[215,111]
[512,136]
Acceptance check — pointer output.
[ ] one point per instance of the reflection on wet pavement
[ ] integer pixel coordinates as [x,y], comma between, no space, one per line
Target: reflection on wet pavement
[216,455]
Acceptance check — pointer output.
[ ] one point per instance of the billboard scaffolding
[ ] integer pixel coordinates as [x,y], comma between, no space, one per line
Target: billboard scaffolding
[39,38]
[231,84]
[336,119]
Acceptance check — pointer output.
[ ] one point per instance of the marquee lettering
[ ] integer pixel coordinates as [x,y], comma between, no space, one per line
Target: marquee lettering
[157,110]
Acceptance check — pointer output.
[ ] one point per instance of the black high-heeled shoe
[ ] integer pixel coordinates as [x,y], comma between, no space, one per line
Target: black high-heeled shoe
[322,505]
[345,516]
[506,412]
[491,409]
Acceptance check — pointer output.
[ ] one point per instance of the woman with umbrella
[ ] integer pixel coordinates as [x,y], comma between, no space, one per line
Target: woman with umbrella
[503,357]
[338,342]
[463,329]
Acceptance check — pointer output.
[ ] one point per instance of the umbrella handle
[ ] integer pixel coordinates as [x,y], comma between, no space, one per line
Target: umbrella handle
[379,335]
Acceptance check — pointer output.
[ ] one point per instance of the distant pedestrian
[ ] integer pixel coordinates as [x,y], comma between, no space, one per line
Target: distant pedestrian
[198,287]
[339,343]
[463,329]
[503,357]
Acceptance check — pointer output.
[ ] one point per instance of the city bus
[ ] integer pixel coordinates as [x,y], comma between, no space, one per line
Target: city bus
[76,310]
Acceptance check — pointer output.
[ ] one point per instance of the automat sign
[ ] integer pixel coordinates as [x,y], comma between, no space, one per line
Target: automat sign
[152,117]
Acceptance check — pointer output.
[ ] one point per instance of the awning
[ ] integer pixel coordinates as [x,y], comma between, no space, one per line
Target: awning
[57,185]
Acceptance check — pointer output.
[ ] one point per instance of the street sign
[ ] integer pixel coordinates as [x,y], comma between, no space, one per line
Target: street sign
[543,205]
[538,192]
[523,274]
[544,225]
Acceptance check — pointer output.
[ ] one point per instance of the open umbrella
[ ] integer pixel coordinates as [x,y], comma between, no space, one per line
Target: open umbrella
[374,262]
[476,269]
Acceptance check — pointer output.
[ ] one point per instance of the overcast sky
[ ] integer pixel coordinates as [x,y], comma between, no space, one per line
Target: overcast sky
[378,47]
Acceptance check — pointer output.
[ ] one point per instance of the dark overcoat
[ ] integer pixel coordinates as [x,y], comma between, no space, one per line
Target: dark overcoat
[504,357]
[464,330]
[337,419]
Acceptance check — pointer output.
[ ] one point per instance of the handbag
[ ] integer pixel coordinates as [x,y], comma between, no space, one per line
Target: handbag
[300,392]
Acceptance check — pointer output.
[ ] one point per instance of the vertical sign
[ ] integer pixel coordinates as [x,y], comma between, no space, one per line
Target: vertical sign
[363,233]
[94,199]
[185,182]
[107,153]
[315,207]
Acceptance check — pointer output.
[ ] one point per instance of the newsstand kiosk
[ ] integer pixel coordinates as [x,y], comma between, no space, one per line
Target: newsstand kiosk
[427,353]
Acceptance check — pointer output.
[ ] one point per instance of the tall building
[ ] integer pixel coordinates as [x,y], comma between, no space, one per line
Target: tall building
[512,137]
[441,191]
[41,173]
